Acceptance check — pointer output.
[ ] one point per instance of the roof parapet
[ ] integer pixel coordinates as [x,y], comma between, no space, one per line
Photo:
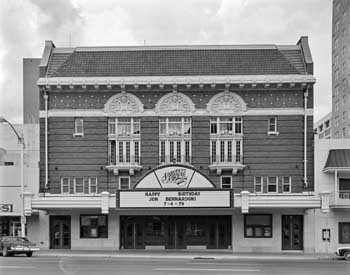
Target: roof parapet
[49,45]
[304,45]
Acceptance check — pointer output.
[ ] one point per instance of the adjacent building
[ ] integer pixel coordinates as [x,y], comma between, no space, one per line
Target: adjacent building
[323,127]
[176,147]
[332,174]
[341,69]
[10,174]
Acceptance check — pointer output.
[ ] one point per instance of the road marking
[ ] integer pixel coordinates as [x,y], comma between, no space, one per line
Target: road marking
[15,266]
[207,269]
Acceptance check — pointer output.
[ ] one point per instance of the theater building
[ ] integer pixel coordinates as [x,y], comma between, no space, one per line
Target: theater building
[176,147]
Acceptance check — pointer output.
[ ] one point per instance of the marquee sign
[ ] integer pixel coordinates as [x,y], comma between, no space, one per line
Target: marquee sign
[174,199]
[174,176]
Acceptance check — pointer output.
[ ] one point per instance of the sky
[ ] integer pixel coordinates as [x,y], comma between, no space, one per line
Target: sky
[26,24]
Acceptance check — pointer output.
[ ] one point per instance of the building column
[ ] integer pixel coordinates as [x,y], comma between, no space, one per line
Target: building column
[116,231]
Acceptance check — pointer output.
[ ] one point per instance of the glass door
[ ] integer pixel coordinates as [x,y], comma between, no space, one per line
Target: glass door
[133,233]
[292,232]
[60,233]
[176,233]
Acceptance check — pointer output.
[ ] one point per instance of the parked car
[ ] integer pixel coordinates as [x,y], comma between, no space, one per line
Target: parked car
[10,245]
[343,252]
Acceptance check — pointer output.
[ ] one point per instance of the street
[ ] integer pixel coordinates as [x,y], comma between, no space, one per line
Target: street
[104,265]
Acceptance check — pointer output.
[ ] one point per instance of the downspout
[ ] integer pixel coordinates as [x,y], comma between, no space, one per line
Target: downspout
[306,94]
[46,141]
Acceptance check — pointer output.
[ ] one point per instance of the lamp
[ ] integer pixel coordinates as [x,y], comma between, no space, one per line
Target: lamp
[21,141]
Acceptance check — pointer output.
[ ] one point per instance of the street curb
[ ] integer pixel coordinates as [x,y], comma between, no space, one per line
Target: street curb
[188,256]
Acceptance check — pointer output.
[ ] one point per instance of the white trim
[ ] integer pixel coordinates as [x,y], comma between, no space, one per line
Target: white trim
[197,112]
[175,47]
[170,80]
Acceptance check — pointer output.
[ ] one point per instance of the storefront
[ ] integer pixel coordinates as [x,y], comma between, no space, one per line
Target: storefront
[175,207]
[10,223]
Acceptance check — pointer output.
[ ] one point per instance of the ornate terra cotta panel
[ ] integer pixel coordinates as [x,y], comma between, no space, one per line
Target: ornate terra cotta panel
[227,103]
[175,103]
[123,104]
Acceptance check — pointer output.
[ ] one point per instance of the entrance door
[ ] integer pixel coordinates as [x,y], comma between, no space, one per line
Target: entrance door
[292,232]
[219,233]
[133,233]
[176,230]
[60,232]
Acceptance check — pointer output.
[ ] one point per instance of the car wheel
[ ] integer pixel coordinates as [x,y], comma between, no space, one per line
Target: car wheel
[29,254]
[5,252]
[347,255]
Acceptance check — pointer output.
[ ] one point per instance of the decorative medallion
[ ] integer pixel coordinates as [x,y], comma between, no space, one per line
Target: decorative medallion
[123,104]
[226,103]
[175,103]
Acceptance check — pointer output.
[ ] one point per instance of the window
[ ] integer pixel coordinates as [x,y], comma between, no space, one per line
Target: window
[257,226]
[78,127]
[336,121]
[124,140]
[226,150]
[344,132]
[286,184]
[93,226]
[344,232]
[272,184]
[79,185]
[124,151]
[124,182]
[124,127]
[226,126]
[8,163]
[175,139]
[258,184]
[336,105]
[92,185]
[327,123]
[272,125]
[226,182]
[65,185]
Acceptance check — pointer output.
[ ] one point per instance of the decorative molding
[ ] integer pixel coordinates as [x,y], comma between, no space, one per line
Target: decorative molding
[203,79]
[174,103]
[197,112]
[227,103]
[246,200]
[123,104]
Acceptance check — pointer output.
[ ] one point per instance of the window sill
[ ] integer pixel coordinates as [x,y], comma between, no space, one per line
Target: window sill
[130,167]
[273,133]
[219,167]
[78,134]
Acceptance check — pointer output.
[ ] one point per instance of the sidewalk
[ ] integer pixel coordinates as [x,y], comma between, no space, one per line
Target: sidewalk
[179,254]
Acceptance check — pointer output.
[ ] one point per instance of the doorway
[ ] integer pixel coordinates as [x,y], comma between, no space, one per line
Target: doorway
[60,232]
[133,233]
[292,232]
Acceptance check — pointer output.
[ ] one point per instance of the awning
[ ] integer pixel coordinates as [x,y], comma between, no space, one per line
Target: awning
[338,159]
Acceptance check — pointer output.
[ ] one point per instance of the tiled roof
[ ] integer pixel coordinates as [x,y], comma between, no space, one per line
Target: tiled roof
[176,62]
[339,158]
